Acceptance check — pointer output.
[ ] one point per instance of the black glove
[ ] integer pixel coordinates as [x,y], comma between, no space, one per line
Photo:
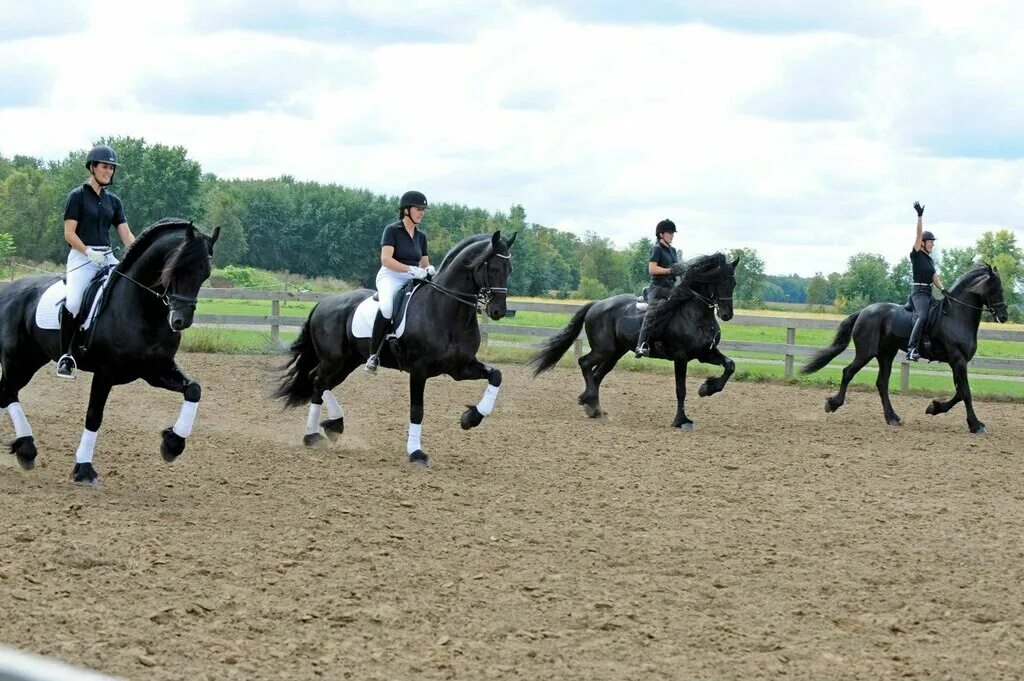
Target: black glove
[919,208]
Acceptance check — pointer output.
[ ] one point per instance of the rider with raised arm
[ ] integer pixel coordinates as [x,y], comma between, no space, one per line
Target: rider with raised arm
[89,214]
[662,257]
[924,276]
[403,256]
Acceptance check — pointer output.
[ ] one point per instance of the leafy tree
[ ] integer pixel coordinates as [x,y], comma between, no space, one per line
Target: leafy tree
[867,279]
[750,278]
[820,291]
[955,263]
[1000,250]
[231,246]
[592,289]
[900,279]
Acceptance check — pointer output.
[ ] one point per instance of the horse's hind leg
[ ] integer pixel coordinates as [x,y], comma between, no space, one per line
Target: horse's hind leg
[837,400]
[882,383]
[594,370]
[17,371]
[334,424]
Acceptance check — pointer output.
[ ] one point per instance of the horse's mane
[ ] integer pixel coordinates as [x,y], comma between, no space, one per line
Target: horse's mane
[144,240]
[966,280]
[704,269]
[458,249]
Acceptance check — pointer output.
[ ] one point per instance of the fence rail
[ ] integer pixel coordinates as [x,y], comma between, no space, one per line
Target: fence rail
[789,350]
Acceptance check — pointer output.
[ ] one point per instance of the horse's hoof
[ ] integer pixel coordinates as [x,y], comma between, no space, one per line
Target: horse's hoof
[704,390]
[85,474]
[931,409]
[471,418]
[314,440]
[172,446]
[685,426]
[894,421]
[830,406]
[980,429]
[420,457]
[333,427]
[594,411]
[25,449]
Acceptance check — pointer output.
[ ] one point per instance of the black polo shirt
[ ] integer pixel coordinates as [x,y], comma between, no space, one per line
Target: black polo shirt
[408,250]
[923,267]
[95,214]
[663,256]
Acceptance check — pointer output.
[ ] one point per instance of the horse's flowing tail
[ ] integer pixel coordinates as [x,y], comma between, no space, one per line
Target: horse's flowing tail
[839,343]
[555,347]
[296,385]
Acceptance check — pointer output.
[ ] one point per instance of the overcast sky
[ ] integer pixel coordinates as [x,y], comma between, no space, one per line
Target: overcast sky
[803,129]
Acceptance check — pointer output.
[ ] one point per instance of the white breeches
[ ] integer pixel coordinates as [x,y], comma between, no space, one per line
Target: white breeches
[388,283]
[80,272]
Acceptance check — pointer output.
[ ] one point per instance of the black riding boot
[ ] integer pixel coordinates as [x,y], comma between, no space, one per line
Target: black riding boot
[66,365]
[642,349]
[380,327]
[921,304]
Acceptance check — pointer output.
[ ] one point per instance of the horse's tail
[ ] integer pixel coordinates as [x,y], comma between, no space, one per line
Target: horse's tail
[839,343]
[296,384]
[553,349]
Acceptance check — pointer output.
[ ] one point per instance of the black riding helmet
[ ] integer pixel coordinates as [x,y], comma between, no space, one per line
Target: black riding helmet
[412,200]
[101,154]
[665,225]
[927,236]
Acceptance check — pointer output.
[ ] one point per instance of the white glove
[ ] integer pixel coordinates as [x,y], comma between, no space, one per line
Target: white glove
[431,271]
[417,272]
[97,258]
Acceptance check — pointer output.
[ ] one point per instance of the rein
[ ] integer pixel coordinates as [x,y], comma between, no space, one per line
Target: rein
[484,294]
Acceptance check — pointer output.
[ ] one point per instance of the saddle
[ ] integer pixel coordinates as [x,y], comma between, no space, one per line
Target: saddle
[903,322]
[641,300]
[400,302]
[86,312]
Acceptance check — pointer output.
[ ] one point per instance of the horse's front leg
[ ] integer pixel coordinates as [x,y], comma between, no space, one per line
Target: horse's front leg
[474,371]
[413,447]
[963,388]
[83,472]
[171,377]
[681,421]
[715,384]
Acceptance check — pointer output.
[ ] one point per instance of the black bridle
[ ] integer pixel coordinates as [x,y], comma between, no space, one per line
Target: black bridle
[485,292]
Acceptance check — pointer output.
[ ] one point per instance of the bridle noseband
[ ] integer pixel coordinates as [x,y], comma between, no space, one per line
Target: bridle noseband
[485,292]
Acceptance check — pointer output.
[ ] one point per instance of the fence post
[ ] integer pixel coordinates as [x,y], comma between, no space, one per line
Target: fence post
[577,348]
[275,328]
[790,340]
[904,374]
[483,337]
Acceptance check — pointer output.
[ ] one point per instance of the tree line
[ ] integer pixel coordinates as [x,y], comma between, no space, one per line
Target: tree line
[315,229]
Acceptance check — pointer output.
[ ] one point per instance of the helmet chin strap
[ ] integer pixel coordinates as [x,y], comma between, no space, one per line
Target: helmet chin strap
[414,221]
[92,171]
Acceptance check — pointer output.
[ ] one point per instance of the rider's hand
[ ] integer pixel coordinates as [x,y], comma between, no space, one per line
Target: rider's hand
[919,208]
[97,258]
[417,272]
[431,271]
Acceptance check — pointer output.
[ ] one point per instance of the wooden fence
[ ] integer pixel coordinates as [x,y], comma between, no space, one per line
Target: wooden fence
[789,350]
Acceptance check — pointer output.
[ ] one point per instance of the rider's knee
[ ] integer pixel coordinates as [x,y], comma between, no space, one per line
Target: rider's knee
[193,392]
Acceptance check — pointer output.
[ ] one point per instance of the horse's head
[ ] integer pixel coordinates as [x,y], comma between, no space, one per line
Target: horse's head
[186,267]
[710,279]
[491,271]
[989,287]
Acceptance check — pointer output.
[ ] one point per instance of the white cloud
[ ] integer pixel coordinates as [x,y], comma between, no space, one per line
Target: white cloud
[803,133]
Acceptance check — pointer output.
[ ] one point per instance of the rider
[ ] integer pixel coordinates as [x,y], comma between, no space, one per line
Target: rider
[89,214]
[924,276]
[662,257]
[403,256]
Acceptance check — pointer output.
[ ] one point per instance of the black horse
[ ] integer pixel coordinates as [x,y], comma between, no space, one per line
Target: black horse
[149,299]
[683,327]
[881,329]
[441,337]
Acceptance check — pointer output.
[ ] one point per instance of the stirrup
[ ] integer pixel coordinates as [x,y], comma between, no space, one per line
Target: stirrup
[372,362]
[913,355]
[66,366]
[643,350]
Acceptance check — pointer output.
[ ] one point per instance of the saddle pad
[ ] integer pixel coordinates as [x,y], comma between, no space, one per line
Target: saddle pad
[366,312]
[48,309]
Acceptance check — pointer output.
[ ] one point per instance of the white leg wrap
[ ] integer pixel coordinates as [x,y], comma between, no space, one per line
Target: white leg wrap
[86,447]
[313,420]
[334,410]
[183,426]
[21,426]
[486,405]
[414,437]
